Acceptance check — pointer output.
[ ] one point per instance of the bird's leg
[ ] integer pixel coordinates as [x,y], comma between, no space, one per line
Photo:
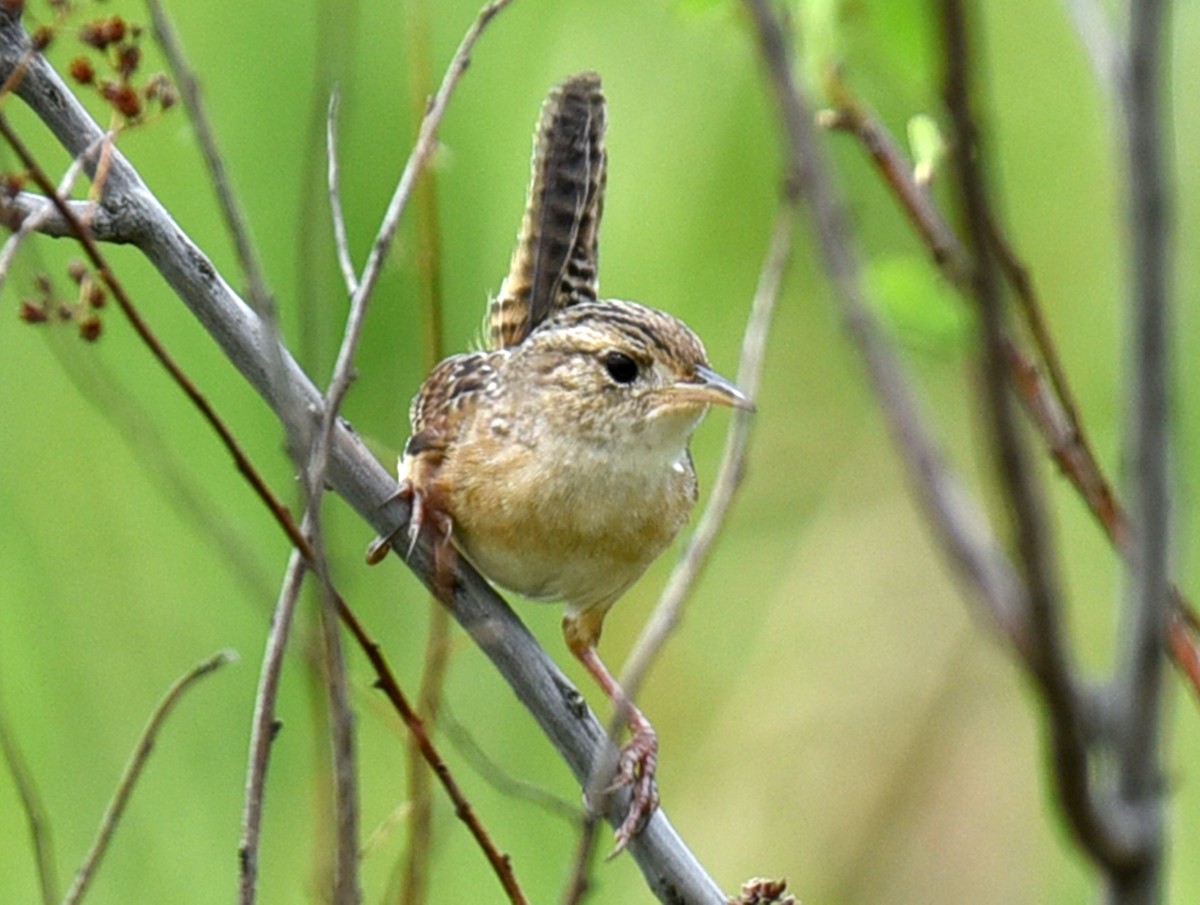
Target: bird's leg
[639,756]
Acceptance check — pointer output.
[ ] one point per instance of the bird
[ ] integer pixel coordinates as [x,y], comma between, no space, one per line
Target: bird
[556,459]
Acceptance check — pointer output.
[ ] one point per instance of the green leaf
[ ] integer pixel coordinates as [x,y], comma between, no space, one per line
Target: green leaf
[926,145]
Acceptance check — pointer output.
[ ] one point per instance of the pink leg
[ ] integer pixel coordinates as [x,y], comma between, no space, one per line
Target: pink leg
[639,757]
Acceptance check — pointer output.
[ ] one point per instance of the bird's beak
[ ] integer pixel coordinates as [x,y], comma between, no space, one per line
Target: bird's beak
[711,388]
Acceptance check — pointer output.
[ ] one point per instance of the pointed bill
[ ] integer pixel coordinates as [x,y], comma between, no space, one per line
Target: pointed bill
[711,388]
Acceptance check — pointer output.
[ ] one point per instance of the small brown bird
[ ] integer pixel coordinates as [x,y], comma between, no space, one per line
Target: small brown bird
[557,461]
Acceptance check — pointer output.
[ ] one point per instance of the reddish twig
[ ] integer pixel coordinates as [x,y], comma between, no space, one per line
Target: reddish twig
[386,682]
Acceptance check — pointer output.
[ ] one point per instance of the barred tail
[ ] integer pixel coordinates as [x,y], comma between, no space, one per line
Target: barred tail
[554,264]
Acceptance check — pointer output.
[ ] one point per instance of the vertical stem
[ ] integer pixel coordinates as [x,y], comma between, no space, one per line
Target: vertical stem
[1138,690]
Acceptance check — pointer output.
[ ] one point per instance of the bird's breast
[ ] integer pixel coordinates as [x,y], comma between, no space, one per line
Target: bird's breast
[566,522]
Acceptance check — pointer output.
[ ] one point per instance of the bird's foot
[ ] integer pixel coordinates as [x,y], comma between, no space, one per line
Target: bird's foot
[382,545]
[636,768]
[421,514]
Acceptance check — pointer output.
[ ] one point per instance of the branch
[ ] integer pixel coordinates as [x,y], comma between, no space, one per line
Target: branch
[133,770]
[1137,691]
[136,216]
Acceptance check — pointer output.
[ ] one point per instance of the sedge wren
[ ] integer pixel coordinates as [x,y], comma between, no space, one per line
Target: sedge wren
[557,460]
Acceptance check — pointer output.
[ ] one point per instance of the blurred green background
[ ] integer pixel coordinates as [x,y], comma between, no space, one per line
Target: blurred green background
[830,711]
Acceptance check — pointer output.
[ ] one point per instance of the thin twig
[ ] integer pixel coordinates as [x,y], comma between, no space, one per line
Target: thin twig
[1051,404]
[235,219]
[339,385]
[417,159]
[336,211]
[851,115]
[420,155]
[346,889]
[669,609]
[1137,691]
[462,808]
[81,232]
[263,727]
[40,835]
[133,770]
[579,880]
[420,847]
[495,776]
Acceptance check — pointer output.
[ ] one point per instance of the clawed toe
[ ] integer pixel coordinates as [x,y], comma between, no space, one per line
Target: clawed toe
[382,545]
[636,768]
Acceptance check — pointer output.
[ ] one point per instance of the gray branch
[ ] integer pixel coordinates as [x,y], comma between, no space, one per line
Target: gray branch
[1137,691]
[130,213]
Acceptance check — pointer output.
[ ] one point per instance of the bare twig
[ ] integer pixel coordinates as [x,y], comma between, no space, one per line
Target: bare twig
[416,161]
[579,880]
[1137,691]
[133,770]
[80,231]
[669,610]
[336,211]
[420,839]
[263,727]
[462,808]
[35,812]
[235,220]
[851,115]
[346,889]
[495,776]
[683,579]
[339,385]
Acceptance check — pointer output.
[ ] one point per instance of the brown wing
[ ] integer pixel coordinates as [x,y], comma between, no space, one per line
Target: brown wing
[446,401]
[554,264]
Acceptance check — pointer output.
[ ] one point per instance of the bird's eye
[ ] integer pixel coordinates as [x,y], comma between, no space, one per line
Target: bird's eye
[620,367]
